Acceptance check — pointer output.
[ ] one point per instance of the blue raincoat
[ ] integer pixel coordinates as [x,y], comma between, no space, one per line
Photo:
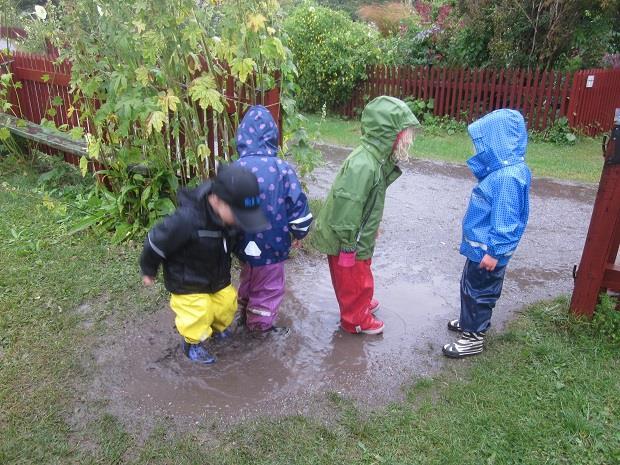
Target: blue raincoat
[499,206]
[284,203]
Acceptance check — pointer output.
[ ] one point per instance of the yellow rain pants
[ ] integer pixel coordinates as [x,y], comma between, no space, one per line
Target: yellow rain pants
[197,315]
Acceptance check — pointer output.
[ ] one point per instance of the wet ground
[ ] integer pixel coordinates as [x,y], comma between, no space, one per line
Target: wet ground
[417,268]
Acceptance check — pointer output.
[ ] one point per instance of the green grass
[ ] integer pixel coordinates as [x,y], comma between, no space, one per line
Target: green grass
[546,391]
[580,162]
[45,275]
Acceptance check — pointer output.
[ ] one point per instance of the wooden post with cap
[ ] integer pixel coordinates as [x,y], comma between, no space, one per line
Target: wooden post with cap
[598,271]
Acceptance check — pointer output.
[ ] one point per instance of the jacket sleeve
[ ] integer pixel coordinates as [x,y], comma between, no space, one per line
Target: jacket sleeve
[297,208]
[164,240]
[509,211]
[351,191]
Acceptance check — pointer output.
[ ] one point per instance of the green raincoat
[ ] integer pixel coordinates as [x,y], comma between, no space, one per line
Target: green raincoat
[353,209]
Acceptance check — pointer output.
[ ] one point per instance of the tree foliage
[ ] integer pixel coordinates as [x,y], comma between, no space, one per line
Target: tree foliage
[532,33]
[331,52]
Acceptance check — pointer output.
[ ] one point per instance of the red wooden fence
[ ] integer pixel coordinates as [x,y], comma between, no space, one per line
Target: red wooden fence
[45,93]
[595,96]
[466,94]
[42,81]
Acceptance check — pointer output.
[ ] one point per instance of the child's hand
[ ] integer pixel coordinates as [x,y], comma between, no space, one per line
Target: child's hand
[488,263]
[148,281]
[296,244]
[346,259]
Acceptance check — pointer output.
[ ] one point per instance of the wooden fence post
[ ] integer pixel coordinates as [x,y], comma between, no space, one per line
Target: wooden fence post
[597,271]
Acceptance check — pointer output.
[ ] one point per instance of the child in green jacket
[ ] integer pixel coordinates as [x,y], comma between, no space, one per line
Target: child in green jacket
[348,223]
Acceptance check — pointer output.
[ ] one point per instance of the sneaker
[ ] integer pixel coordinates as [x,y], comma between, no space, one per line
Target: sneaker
[375,327]
[226,334]
[273,330]
[455,325]
[470,343]
[198,353]
[374,306]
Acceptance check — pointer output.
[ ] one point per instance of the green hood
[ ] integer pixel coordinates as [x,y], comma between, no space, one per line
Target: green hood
[350,217]
[382,120]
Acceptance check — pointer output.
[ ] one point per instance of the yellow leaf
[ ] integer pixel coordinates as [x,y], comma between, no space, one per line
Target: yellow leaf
[94,147]
[168,101]
[70,111]
[203,90]
[140,26]
[142,75]
[48,202]
[83,166]
[193,63]
[256,22]
[203,151]
[242,68]
[223,49]
[155,121]
[271,31]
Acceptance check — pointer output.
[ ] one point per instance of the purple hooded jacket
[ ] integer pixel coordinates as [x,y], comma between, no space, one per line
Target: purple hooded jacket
[282,199]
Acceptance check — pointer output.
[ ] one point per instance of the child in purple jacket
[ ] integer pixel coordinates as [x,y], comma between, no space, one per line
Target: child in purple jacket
[285,205]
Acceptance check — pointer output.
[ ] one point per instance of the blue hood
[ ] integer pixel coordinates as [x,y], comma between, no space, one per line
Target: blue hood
[282,199]
[257,134]
[500,139]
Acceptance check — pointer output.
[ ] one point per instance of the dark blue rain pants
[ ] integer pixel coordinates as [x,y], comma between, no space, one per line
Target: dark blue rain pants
[480,290]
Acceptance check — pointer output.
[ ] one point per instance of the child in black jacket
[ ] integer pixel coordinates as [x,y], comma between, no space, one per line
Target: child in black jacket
[194,245]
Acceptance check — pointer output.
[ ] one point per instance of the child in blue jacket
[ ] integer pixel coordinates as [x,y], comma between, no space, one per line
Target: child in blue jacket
[493,224]
[285,205]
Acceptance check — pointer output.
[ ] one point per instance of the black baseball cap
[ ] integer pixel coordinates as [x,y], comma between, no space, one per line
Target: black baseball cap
[238,187]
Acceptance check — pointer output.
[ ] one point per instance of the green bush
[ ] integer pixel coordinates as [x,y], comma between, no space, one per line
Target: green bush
[530,34]
[606,321]
[559,133]
[422,109]
[331,52]
[413,47]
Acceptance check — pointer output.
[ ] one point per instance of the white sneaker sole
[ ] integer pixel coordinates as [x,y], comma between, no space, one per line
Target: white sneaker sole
[371,331]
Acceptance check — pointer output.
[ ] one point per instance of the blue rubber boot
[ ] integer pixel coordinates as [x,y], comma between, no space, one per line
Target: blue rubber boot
[226,334]
[198,353]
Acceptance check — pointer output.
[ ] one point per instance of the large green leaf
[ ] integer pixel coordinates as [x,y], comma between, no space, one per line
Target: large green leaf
[203,90]
[242,68]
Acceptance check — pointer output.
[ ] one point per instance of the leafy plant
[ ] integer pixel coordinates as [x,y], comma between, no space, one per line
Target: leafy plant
[159,89]
[559,133]
[606,320]
[541,33]
[422,109]
[331,52]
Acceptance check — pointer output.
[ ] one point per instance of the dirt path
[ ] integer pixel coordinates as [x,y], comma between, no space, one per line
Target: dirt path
[417,269]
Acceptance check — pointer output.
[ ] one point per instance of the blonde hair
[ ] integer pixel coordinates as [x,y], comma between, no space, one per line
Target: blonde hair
[402,144]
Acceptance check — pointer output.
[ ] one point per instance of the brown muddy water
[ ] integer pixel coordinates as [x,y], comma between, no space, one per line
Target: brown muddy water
[417,268]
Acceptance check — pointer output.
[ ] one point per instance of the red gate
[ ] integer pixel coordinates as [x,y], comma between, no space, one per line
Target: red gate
[598,271]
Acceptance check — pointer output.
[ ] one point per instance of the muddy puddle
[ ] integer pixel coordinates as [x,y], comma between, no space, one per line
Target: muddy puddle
[417,269]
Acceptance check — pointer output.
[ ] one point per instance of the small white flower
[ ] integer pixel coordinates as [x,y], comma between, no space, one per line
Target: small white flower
[216,39]
[40,12]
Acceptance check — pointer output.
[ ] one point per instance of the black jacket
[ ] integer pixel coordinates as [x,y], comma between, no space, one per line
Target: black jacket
[193,245]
